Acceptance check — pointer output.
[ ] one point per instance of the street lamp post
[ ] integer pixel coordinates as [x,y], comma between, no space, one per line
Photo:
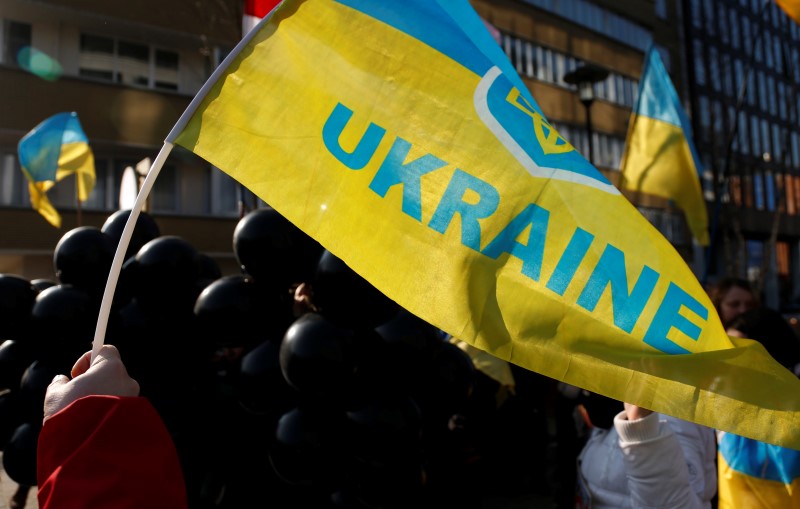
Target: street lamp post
[585,77]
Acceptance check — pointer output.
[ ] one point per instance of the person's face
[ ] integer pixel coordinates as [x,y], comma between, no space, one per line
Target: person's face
[736,333]
[736,301]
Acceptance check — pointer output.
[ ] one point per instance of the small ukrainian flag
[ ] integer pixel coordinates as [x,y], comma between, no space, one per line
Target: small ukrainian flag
[660,157]
[53,150]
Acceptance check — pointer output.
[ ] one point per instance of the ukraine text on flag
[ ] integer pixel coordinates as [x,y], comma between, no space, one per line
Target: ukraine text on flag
[53,150]
[398,135]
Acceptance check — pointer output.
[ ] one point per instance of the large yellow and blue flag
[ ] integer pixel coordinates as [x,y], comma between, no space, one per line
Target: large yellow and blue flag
[53,150]
[398,135]
[660,157]
[755,475]
[791,8]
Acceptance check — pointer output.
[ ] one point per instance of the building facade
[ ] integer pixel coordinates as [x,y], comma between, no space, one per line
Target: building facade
[129,70]
[744,78]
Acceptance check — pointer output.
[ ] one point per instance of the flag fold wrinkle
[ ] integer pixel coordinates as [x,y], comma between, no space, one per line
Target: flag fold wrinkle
[660,157]
[53,150]
[399,136]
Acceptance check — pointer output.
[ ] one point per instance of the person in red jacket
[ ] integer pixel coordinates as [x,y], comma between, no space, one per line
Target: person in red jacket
[102,445]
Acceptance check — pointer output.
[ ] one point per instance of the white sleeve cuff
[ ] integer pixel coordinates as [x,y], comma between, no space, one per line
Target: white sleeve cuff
[640,430]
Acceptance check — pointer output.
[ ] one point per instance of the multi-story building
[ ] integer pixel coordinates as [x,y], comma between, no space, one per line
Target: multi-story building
[711,48]
[744,79]
[128,69]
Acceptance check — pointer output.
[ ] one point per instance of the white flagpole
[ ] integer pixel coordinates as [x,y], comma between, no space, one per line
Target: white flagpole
[122,247]
[155,169]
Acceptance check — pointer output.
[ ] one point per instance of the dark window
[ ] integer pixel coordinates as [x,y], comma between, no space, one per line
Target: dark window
[18,37]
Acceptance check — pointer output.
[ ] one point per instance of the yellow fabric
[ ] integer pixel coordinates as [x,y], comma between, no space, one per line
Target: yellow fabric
[740,491]
[658,161]
[77,158]
[792,8]
[496,369]
[41,204]
[263,122]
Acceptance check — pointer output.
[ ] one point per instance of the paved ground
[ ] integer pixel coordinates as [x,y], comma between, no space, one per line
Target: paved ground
[8,487]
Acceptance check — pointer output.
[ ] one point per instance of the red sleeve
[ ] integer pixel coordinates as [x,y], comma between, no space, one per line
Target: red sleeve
[106,451]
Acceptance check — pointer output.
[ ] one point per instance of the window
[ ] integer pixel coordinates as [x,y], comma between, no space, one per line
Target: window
[765,135]
[705,113]
[783,106]
[17,37]
[133,64]
[744,146]
[758,190]
[661,9]
[773,103]
[103,188]
[126,62]
[13,184]
[746,35]
[96,58]
[713,68]
[699,65]
[770,191]
[697,14]
[718,115]
[778,53]
[789,186]
[796,181]
[164,197]
[762,91]
[530,67]
[796,149]
[225,193]
[727,72]
[782,258]
[723,29]
[710,15]
[768,49]
[593,17]
[734,25]
[777,143]
[755,257]
[754,135]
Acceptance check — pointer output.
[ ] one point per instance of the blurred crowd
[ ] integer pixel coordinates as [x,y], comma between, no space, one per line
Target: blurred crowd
[297,382]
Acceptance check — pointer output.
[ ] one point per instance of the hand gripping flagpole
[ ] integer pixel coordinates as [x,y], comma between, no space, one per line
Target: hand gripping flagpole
[147,185]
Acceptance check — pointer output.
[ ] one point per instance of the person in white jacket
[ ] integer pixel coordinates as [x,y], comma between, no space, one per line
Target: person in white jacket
[648,460]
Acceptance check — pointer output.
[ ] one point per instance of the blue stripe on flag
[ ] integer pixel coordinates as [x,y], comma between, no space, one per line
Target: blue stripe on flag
[451,27]
[760,460]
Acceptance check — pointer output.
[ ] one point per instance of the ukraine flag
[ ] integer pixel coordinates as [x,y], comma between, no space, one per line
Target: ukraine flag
[400,137]
[755,475]
[660,157]
[53,150]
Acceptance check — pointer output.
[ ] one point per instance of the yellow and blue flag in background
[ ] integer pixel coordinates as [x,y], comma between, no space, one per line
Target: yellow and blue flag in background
[791,7]
[660,157]
[399,136]
[53,150]
[755,475]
